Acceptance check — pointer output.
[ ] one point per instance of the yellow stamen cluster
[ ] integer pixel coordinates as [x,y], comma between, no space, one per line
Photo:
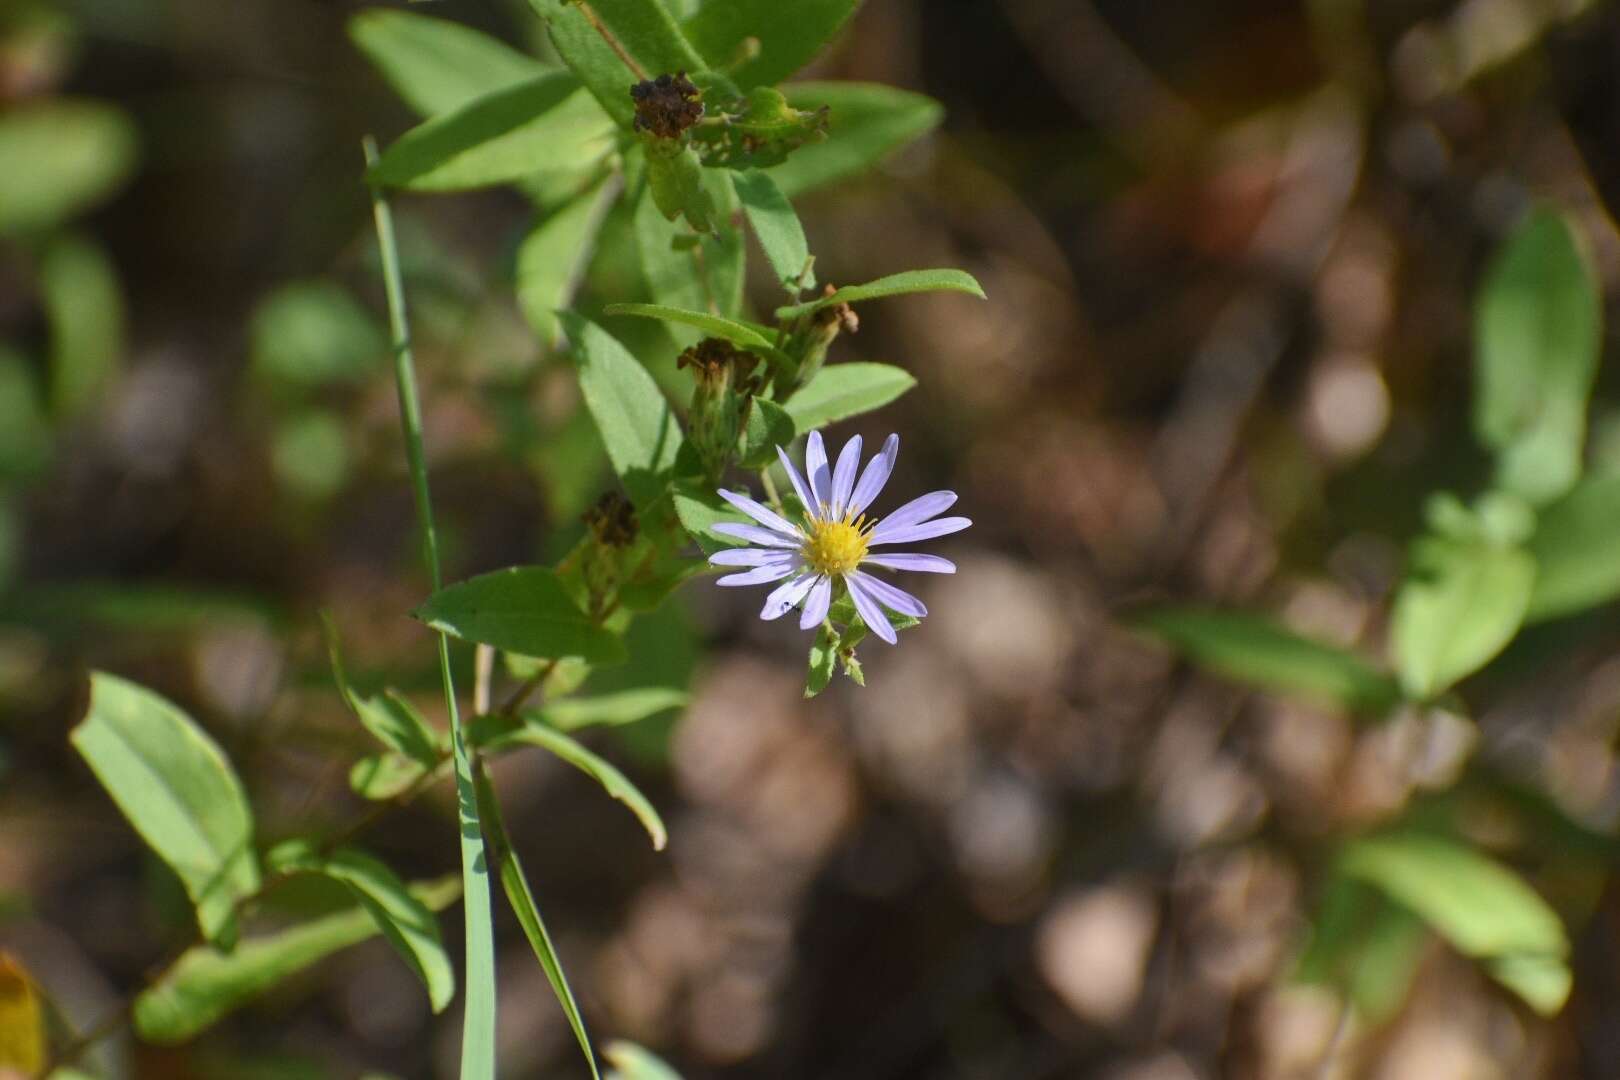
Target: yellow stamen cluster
[836,546]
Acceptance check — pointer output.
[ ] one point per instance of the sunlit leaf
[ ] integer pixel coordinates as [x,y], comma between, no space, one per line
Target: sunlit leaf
[437,65]
[404,920]
[1577,550]
[907,281]
[383,776]
[175,786]
[63,156]
[1460,605]
[631,1062]
[642,28]
[699,510]
[623,707]
[789,35]
[390,718]
[777,226]
[612,780]
[1255,650]
[840,391]
[206,984]
[866,122]
[523,610]
[823,657]
[769,426]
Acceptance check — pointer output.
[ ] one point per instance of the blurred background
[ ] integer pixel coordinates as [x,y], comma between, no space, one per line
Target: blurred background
[1230,252]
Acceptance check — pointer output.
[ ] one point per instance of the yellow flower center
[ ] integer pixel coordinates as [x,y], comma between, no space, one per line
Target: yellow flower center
[836,547]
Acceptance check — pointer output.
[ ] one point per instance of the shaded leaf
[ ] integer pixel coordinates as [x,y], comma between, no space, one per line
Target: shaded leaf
[383,776]
[206,984]
[756,131]
[174,785]
[866,122]
[769,426]
[777,227]
[1255,650]
[612,780]
[739,334]
[437,65]
[523,609]
[623,707]
[907,281]
[1577,550]
[404,920]
[77,153]
[78,285]
[840,391]
[1460,605]
[699,510]
[788,35]
[390,718]
[309,333]
[552,258]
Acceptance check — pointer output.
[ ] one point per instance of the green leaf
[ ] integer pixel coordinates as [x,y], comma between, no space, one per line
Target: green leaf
[1366,945]
[699,510]
[84,305]
[637,426]
[788,35]
[1538,329]
[175,786]
[907,281]
[843,612]
[26,439]
[614,782]
[705,277]
[206,984]
[840,391]
[1460,605]
[516,886]
[380,777]
[777,226]
[756,131]
[623,707]
[552,258]
[63,156]
[1255,650]
[866,122]
[631,1062]
[1577,550]
[769,426]
[1481,908]
[823,657]
[737,333]
[404,920]
[390,718]
[545,125]
[641,27]
[675,183]
[523,609]
[310,333]
[437,65]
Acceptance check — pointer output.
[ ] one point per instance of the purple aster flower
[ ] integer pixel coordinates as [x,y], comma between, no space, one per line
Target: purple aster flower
[833,545]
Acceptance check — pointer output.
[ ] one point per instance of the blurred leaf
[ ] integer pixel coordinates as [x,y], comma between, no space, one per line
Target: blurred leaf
[907,281]
[1537,329]
[1577,550]
[1255,650]
[737,333]
[380,777]
[22,1021]
[149,608]
[390,718]
[25,434]
[309,453]
[788,36]
[612,780]
[546,124]
[823,656]
[1543,982]
[769,426]
[642,27]
[553,256]
[631,1062]
[1460,605]
[840,391]
[314,332]
[437,65]
[516,886]
[1483,909]
[174,785]
[777,227]
[524,610]
[843,612]
[403,919]
[63,156]
[206,984]
[1366,945]
[866,122]
[637,426]
[705,278]
[79,287]
[624,707]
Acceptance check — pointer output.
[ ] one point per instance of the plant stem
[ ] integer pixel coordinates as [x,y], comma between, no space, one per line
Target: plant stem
[478,1029]
[613,43]
[770,489]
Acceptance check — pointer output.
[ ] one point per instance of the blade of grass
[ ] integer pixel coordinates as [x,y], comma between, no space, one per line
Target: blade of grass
[478,1025]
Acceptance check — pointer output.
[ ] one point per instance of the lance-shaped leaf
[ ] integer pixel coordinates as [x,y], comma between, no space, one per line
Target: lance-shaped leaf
[390,718]
[699,510]
[643,29]
[545,125]
[907,281]
[516,886]
[769,426]
[785,36]
[777,227]
[739,334]
[1255,650]
[637,425]
[523,609]
[623,707]
[1461,603]
[840,391]
[553,256]
[1480,907]
[437,65]
[380,777]
[405,921]
[175,786]
[631,1062]
[534,732]
[1577,550]
[866,122]
[823,658]
[206,984]
[78,285]
[76,153]
[689,272]
[1537,328]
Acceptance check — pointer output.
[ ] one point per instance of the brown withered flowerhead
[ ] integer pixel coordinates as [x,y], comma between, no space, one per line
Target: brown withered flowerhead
[612,520]
[718,363]
[666,106]
[838,317]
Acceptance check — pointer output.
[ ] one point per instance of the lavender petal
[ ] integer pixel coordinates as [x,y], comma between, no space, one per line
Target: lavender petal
[906,534]
[750,556]
[871,614]
[797,480]
[889,596]
[784,596]
[919,509]
[927,564]
[755,535]
[815,465]
[876,475]
[849,460]
[760,575]
[760,512]
[817,603]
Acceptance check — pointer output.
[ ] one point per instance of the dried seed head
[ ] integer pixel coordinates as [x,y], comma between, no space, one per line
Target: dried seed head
[612,520]
[666,106]
[718,364]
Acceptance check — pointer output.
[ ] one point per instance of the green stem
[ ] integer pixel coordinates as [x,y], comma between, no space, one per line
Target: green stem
[770,489]
[478,1029]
